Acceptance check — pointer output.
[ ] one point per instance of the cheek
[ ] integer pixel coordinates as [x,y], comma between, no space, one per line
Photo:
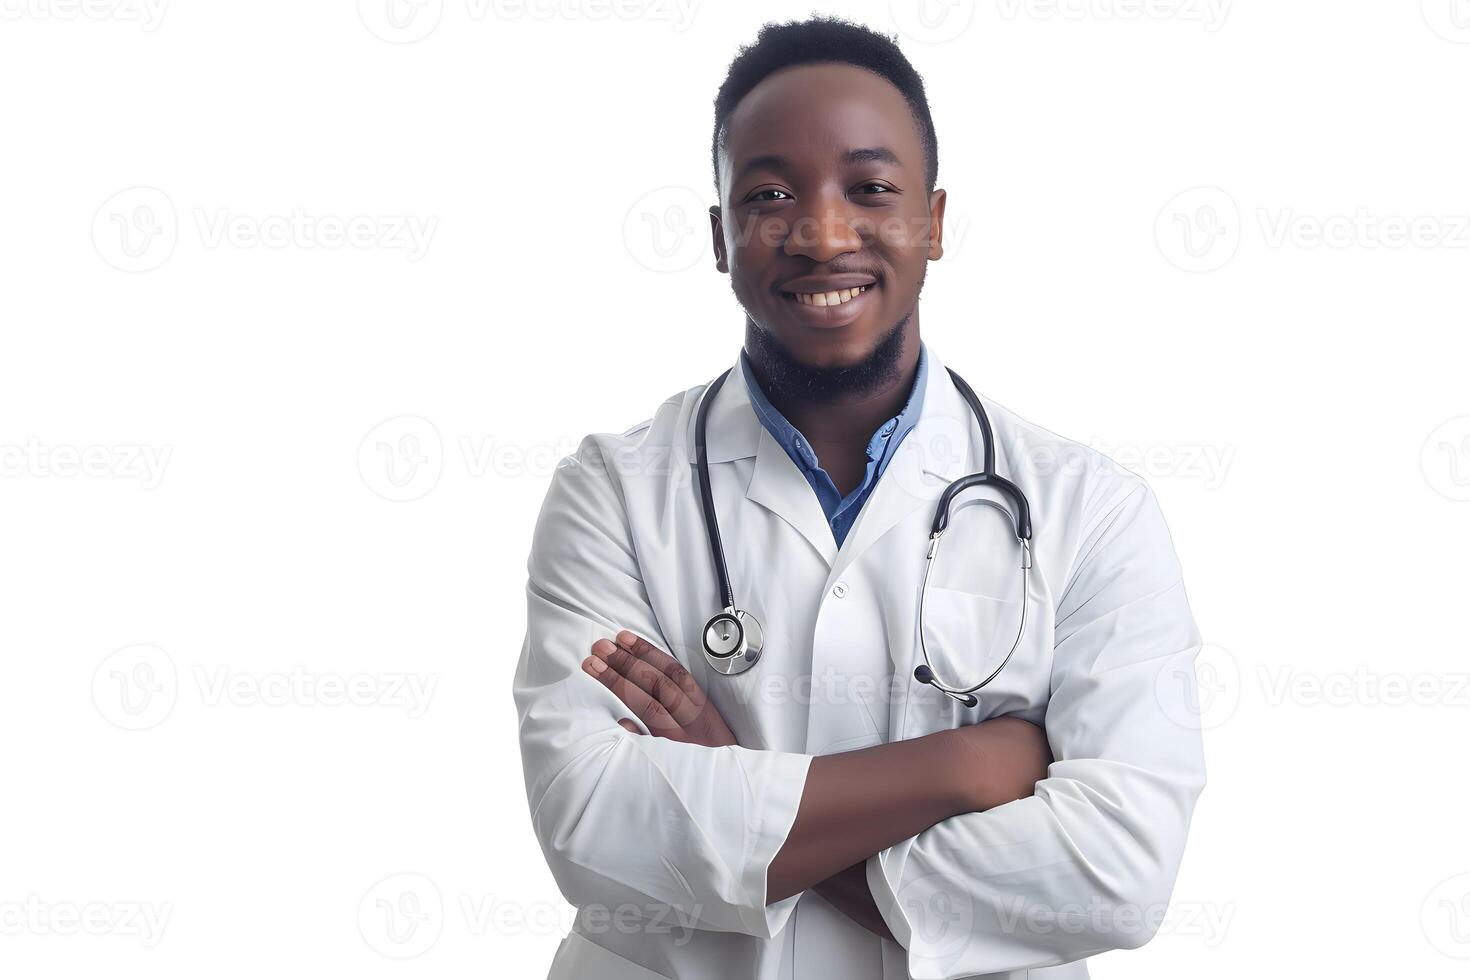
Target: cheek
[744,278]
[755,233]
[903,235]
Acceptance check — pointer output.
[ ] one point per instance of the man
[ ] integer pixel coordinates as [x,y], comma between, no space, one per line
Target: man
[822,813]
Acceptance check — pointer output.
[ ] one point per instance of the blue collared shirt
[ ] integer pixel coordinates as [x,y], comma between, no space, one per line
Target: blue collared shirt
[842,512]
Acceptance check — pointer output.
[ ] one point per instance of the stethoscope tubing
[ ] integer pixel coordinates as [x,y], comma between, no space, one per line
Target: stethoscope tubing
[1021,516]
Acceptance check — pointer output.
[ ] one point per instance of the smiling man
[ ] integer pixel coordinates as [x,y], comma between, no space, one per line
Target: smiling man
[798,796]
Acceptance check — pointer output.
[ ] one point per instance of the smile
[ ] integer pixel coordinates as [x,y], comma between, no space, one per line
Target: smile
[834,298]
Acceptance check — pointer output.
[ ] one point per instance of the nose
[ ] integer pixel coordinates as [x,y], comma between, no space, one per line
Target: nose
[823,229]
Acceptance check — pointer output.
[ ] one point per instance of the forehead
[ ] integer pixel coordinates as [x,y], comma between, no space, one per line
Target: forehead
[815,113]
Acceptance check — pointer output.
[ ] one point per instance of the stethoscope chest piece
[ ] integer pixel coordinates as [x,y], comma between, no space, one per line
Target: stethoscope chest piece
[733,641]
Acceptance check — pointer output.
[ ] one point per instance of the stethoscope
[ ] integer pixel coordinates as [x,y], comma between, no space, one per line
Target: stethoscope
[733,638]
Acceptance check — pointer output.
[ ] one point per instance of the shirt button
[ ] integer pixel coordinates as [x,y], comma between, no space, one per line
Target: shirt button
[840,589]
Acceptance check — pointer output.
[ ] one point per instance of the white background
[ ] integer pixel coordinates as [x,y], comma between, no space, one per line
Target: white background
[240,452]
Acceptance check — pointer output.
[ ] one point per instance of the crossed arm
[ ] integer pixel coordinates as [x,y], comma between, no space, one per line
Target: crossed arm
[854,804]
[740,831]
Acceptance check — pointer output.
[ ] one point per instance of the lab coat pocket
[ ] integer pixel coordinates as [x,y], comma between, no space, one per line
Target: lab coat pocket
[967,634]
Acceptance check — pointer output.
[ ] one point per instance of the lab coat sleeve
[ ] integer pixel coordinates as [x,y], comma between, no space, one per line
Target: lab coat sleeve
[1088,863]
[632,824]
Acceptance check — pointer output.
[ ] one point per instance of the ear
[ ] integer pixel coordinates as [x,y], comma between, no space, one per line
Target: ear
[936,225]
[717,230]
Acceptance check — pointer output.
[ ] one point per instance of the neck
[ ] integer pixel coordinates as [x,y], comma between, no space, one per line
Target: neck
[842,417]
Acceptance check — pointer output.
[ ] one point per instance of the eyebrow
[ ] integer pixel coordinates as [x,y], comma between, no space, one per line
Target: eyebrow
[775,161]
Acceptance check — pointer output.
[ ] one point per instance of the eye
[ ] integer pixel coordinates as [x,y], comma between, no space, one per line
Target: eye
[872,183]
[757,199]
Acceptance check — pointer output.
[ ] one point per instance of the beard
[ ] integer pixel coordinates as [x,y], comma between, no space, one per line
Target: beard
[794,380]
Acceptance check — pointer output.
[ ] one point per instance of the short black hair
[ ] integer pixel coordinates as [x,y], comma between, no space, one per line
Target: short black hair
[816,40]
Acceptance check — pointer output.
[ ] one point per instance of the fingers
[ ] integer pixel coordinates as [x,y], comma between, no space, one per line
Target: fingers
[666,665]
[650,654]
[655,673]
[646,708]
[630,725]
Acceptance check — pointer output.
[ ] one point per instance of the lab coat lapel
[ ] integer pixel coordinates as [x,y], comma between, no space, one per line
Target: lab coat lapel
[936,452]
[778,485]
[735,432]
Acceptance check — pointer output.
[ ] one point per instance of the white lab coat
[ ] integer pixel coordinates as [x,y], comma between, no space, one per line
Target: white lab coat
[663,846]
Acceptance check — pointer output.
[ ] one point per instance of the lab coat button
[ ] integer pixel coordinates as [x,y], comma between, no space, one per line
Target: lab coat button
[840,589]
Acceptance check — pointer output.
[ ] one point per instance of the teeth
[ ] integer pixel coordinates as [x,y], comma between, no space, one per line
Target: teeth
[835,298]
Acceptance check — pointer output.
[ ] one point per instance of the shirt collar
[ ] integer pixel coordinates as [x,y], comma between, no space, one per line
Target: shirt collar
[884,439]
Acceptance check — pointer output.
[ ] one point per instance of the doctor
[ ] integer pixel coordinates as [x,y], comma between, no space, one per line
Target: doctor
[821,812]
